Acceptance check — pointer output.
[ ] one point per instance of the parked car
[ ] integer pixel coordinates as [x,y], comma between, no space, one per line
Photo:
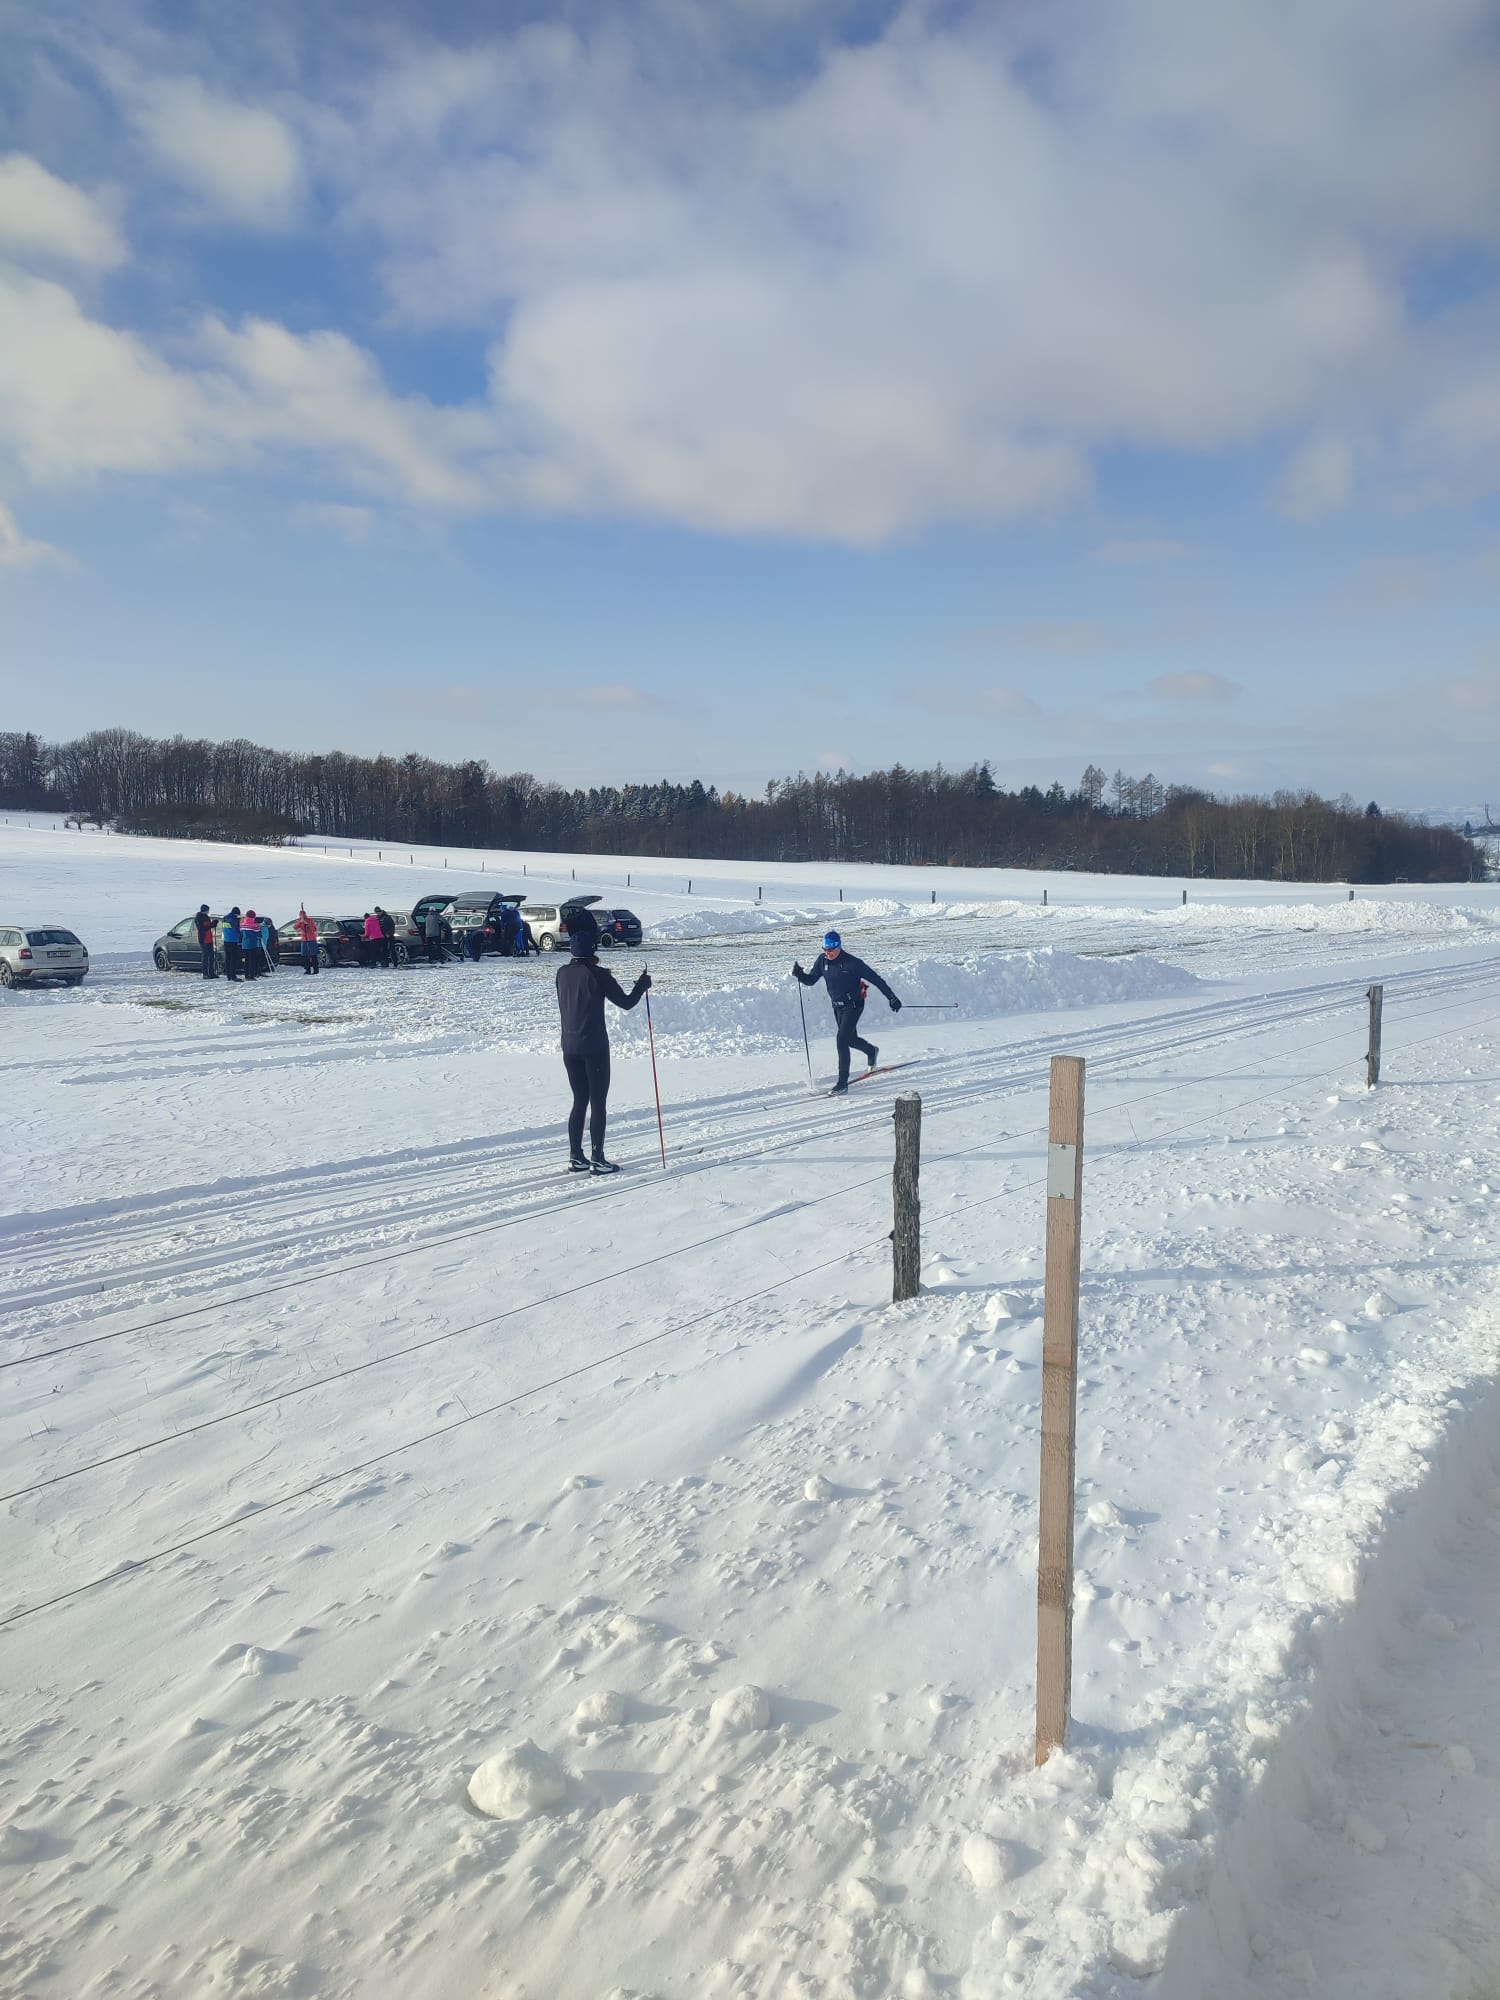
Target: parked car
[411,931]
[481,911]
[177,950]
[549,921]
[410,937]
[618,927]
[341,940]
[29,956]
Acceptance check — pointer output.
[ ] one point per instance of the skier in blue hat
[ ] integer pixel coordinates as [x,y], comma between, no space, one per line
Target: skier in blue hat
[846,978]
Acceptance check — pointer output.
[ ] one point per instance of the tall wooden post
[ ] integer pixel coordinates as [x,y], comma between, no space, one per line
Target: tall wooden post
[1054,1576]
[906,1236]
[1372,1053]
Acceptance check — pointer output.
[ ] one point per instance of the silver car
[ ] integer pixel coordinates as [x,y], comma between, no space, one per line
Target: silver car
[51,953]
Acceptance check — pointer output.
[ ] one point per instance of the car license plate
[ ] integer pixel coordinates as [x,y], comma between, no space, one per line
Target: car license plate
[60,954]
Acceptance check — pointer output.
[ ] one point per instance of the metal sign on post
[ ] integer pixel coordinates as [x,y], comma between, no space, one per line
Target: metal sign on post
[1054,1577]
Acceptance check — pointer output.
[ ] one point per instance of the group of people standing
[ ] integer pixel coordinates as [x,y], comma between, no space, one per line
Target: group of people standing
[375,948]
[251,944]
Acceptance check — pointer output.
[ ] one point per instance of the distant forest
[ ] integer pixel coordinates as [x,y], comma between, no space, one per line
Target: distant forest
[1120,824]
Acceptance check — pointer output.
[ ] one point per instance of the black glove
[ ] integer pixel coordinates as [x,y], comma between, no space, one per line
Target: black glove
[643,983]
[895,1005]
[797,970]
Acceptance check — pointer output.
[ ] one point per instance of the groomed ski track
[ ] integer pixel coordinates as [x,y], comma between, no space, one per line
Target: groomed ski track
[452,1192]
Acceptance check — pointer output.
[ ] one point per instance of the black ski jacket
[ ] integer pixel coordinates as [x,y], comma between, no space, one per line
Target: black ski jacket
[842,976]
[582,989]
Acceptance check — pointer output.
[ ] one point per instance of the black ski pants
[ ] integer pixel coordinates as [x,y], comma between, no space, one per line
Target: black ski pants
[231,958]
[207,950]
[846,1014]
[589,1076]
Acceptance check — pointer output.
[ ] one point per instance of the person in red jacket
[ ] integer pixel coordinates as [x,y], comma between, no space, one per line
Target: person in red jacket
[373,952]
[307,939]
[203,923]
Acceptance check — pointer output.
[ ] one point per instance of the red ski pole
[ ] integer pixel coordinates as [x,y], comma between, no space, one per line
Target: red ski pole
[655,1085]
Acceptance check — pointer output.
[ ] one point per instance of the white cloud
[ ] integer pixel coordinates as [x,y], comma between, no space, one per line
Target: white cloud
[817,313]
[1475,694]
[350,524]
[930,273]
[615,697]
[1193,688]
[18,551]
[79,398]
[41,215]
[1141,549]
[241,161]
[1013,703]
[1318,480]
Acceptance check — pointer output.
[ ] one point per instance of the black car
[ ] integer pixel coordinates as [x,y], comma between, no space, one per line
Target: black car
[339,941]
[464,911]
[618,927]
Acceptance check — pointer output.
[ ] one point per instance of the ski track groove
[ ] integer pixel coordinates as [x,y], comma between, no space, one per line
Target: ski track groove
[780,1119]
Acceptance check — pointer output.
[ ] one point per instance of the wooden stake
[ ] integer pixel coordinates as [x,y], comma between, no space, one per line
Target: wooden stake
[906,1237]
[1372,1053]
[1054,1576]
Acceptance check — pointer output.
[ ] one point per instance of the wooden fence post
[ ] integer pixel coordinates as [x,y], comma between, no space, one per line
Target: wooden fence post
[906,1237]
[1372,1053]
[1044,899]
[1054,1575]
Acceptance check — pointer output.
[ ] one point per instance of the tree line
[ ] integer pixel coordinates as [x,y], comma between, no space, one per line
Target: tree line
[190,787]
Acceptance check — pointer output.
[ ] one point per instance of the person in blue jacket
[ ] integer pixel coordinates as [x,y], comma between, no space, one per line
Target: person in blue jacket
[846,978]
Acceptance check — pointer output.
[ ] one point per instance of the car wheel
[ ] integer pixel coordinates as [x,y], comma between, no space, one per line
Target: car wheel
[606,940]
[548,941]
[76,980]
[219,963]
[163,963]
[400,955]
[7,977]
[325,957]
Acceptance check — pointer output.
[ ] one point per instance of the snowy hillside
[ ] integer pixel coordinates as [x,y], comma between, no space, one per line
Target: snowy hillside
[350,1450]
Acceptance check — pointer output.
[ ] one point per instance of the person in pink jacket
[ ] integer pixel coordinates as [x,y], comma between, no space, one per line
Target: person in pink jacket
[377,951]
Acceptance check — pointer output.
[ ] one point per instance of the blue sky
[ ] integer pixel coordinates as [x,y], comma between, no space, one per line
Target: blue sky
[727,387]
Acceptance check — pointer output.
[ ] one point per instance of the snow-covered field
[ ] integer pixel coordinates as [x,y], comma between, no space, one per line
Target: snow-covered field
[348,1446]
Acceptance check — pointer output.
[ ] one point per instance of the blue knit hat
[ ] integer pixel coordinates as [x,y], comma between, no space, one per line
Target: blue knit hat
[832,938]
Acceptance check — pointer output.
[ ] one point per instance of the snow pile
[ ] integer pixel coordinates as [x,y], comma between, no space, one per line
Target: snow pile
[762,1014]
[517,1781]
[730,923]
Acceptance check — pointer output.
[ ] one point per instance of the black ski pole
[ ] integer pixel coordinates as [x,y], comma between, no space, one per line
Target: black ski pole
[806,1048]
[928,1006]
